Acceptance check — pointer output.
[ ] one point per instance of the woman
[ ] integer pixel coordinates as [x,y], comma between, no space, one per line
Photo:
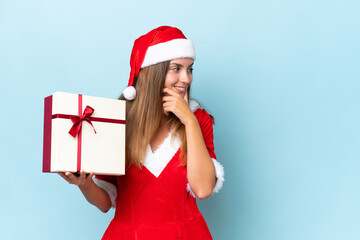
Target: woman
[170,155]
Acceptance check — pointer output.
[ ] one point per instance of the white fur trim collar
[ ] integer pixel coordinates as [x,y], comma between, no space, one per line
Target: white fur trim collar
[156,161]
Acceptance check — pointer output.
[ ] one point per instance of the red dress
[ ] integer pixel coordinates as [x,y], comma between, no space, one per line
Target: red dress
[159,207]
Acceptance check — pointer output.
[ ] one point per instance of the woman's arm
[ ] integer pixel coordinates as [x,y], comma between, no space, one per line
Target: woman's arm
[200,168]
[93,194]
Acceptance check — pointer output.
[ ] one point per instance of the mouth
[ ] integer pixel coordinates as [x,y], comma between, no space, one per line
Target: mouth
[180,89]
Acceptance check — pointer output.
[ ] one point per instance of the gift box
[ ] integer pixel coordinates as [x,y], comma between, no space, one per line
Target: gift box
[84,133]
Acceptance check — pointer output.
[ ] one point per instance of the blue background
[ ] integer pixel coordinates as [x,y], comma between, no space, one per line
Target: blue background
[280,77]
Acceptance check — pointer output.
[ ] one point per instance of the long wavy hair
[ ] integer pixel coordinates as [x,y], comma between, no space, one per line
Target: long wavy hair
[144,113]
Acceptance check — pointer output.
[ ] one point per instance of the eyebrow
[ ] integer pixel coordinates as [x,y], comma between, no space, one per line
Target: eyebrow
[180,65]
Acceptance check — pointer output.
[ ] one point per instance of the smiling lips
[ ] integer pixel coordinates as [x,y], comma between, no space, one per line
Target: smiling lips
[180,89]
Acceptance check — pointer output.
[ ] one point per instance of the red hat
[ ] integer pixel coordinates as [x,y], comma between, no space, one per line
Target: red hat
[159,45]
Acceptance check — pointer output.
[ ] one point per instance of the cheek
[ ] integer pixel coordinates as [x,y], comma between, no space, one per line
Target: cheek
[169,81]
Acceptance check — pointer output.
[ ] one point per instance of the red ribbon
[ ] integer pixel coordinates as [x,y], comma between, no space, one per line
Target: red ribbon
[77,120]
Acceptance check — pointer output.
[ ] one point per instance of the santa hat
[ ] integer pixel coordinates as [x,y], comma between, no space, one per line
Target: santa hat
[159,45]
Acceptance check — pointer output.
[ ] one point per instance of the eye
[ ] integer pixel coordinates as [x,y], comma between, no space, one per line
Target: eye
[175,69]
[190,70]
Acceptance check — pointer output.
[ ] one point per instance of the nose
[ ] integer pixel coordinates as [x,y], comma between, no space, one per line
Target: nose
[186,77]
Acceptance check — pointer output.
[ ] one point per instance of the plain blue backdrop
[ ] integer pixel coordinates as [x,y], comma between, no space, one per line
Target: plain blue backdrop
[281,78]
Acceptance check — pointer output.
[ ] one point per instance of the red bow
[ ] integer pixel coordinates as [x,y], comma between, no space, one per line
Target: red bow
[77,120]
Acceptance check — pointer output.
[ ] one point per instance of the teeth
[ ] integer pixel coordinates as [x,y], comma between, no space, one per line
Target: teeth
[180,88]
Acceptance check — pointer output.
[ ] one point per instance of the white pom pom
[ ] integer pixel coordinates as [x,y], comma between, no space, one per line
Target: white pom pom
[129,93]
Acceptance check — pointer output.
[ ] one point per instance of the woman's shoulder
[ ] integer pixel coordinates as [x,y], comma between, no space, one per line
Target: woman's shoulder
[201,114]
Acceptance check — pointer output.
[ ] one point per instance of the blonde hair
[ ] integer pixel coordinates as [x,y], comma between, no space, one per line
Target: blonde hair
[144,113]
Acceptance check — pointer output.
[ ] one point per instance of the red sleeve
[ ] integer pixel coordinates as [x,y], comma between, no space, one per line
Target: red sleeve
[107,178]
[206,126]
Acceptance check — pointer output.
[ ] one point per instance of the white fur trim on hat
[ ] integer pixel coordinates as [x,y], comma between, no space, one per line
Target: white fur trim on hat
[177,48]
[109,188]
[130,93]
[219,173]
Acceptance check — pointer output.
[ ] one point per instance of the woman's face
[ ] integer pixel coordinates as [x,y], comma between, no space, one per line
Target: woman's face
[179,75]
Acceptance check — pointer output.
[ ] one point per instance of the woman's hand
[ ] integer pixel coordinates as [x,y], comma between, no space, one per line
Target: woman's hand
[178,105]
[80,181]
[94,194]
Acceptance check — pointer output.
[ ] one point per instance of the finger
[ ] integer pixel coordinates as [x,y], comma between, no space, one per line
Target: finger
[65,177]
[62,174]
[91,175]
[170,92]
[168,106]
[72,177]
[168,98]
[82,175]
[165,112]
